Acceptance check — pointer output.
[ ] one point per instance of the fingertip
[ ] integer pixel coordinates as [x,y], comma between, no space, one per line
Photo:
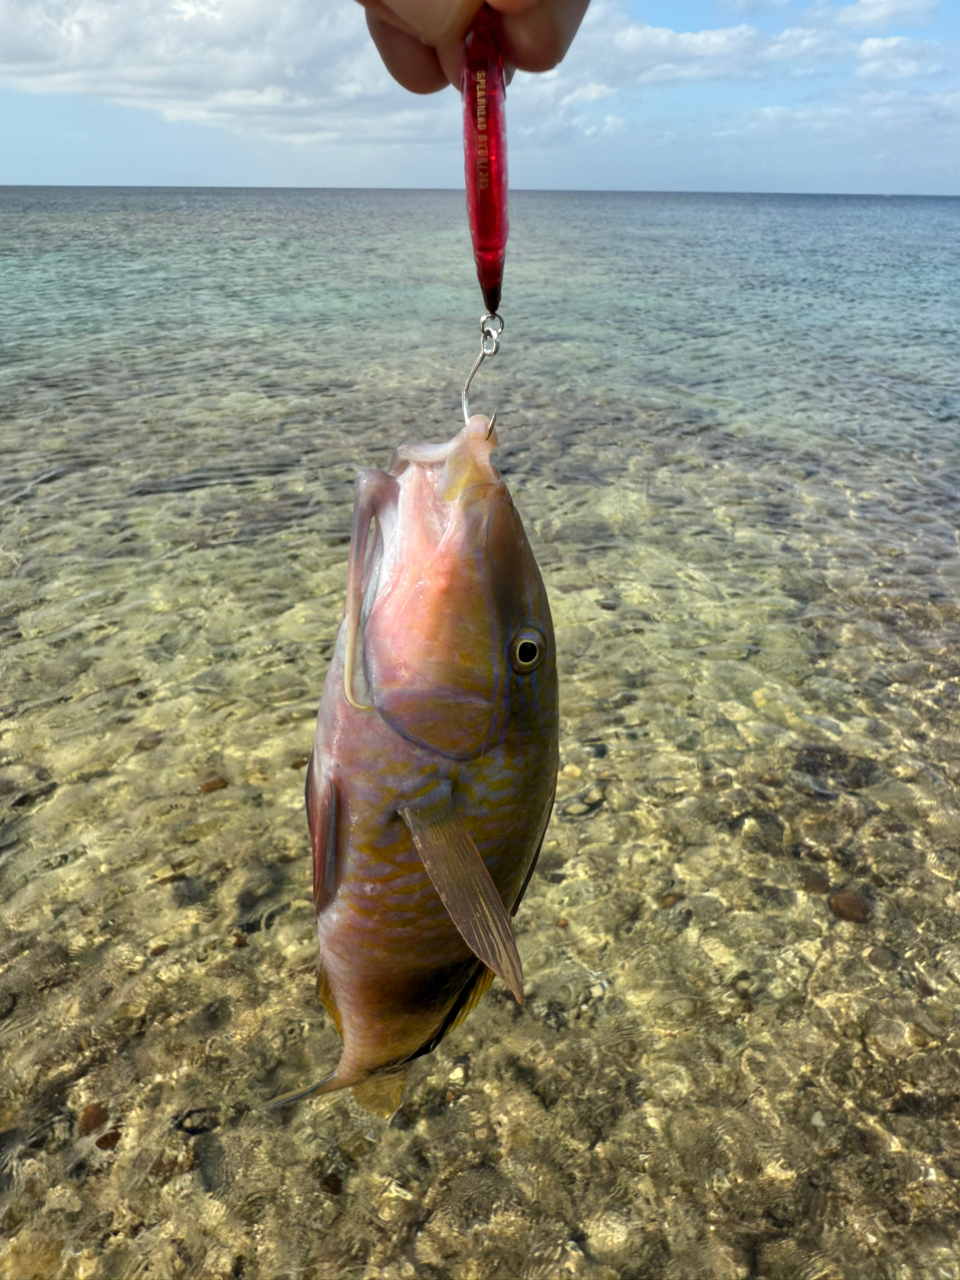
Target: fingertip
[537,38]
[413,64]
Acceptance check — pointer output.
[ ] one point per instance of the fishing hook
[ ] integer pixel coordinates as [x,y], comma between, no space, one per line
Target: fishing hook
[491,327]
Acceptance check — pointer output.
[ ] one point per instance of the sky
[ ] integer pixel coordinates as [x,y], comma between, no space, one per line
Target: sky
[693,95]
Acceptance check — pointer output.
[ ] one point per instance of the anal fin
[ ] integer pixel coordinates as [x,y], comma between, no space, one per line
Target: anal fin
[453,863]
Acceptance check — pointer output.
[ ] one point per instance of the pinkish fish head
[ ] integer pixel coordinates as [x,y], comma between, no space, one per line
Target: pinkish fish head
[450,610]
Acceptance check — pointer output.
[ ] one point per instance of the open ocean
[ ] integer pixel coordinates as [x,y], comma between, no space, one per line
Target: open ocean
[732,427]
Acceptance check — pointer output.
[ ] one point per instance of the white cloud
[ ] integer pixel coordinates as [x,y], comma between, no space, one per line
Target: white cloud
[867,118]
[884,13]
[659,55]
[750,7]
[896,58]
[297,68]
[305,71]
[785,121]
[588,93]
[614,49]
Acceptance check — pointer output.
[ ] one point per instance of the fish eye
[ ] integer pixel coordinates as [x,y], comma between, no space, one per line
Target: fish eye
[527,651]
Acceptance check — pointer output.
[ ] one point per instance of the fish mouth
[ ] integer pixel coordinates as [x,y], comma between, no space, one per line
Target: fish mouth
[461,464]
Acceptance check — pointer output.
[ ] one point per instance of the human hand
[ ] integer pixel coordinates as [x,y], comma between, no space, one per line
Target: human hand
[420,41]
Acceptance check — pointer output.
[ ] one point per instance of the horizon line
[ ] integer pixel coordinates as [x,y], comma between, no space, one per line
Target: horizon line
[614,191]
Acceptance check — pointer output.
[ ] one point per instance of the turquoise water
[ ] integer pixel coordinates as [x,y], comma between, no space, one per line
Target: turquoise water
[730,424]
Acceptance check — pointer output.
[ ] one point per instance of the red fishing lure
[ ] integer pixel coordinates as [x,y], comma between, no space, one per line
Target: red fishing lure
[485,152]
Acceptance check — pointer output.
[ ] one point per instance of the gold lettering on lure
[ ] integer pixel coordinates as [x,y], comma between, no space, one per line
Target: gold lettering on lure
[483,146]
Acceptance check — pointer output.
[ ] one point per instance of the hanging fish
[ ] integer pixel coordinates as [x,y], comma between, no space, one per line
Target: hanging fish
[434,767]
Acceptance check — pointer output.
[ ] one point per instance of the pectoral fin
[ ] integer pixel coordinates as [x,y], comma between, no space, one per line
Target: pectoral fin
[459,876]
[323,817]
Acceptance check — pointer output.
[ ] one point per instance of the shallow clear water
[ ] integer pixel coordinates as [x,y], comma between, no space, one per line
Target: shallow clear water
[730,424]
